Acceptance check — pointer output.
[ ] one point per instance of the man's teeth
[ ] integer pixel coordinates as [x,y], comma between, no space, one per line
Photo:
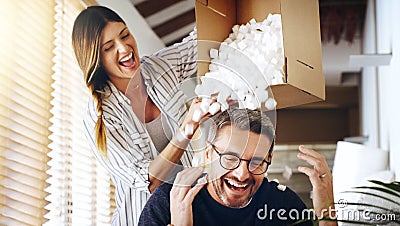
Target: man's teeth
[233,183]
[128,57]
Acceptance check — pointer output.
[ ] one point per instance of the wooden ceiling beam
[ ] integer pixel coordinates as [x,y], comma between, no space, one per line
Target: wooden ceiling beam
[177,40]
[150,7]
[175,23]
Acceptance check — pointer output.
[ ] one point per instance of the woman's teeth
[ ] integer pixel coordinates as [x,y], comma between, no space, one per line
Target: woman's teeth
[128,57]
[127,61]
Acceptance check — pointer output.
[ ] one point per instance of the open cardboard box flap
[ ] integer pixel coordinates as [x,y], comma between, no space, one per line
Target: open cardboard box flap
[305,82]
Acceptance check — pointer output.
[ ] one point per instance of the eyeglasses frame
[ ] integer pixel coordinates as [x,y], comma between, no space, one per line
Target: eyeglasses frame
[240,161]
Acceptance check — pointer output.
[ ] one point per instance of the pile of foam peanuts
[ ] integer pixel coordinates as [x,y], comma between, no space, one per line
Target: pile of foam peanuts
[242,69]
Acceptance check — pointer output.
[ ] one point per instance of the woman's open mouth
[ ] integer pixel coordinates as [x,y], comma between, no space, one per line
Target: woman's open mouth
[128,61]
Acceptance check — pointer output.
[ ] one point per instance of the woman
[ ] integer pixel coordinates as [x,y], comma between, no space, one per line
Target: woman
[132,99]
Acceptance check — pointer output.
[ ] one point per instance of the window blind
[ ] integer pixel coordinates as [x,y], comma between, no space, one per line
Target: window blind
[48,174]
[79,188]
[26,51]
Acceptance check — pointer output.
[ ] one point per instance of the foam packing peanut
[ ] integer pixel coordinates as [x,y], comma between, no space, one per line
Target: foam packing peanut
[270,104]
[228,40]
[180,136]
[252,102]
[205,104]
[241,94]
[204,107]
[235,28]
[223,95]
[214,108]
[197,115]
[240,36]
[207,87]
[261,94]
[242,45]
[206,101]
[233,96]
[287,172]
[189,129]
[224,107]
[213,53]
[281,187]
[212,67]
[247,62]
[243,29]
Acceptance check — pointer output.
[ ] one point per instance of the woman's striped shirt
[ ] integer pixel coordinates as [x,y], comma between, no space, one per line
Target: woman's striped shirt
[129,146]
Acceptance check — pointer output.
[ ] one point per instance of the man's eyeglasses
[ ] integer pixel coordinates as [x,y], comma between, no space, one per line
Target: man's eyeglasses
[231,161]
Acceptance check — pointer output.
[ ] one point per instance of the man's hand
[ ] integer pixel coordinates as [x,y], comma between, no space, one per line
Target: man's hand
[182,195]
[321,179]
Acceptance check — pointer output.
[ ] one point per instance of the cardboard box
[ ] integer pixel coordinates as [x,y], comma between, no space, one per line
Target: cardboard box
[304,81]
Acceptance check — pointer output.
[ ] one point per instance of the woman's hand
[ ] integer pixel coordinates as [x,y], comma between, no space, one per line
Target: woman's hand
[200,109]
[182,195]
[321,179]
[163,167]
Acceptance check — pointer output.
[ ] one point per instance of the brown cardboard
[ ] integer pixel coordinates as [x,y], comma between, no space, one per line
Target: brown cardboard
[305,82]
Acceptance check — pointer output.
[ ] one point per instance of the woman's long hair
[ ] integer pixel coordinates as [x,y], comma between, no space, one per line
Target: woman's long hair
[86,35]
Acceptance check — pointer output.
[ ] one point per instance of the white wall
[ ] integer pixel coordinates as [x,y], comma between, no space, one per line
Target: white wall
[335,59]
[383,45]
[394,78]
[148,41]
[369,93]
[380,85]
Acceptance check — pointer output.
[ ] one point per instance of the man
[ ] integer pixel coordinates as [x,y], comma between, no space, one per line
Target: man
[239,149]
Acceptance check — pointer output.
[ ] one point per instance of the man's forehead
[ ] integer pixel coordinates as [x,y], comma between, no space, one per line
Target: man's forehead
[242,141]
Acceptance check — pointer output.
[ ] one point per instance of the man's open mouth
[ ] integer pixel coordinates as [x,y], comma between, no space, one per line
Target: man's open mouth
[235,185]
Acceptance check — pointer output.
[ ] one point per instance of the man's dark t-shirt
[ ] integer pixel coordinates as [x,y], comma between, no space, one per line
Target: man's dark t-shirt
[269,206]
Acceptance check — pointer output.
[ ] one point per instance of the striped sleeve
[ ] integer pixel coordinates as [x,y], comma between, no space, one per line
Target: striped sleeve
[125,160]
[182,56]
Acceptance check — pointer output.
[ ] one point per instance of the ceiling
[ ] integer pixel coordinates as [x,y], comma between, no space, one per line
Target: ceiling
[341,29]
[341,36]
[172,20]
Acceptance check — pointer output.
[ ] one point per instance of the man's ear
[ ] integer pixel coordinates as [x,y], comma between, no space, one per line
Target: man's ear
[208,151]
[208,154]
[270,156]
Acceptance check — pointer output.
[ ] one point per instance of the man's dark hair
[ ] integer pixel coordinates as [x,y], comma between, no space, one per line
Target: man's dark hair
[255,121]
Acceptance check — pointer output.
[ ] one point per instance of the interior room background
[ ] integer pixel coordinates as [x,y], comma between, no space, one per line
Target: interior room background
[47,172]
